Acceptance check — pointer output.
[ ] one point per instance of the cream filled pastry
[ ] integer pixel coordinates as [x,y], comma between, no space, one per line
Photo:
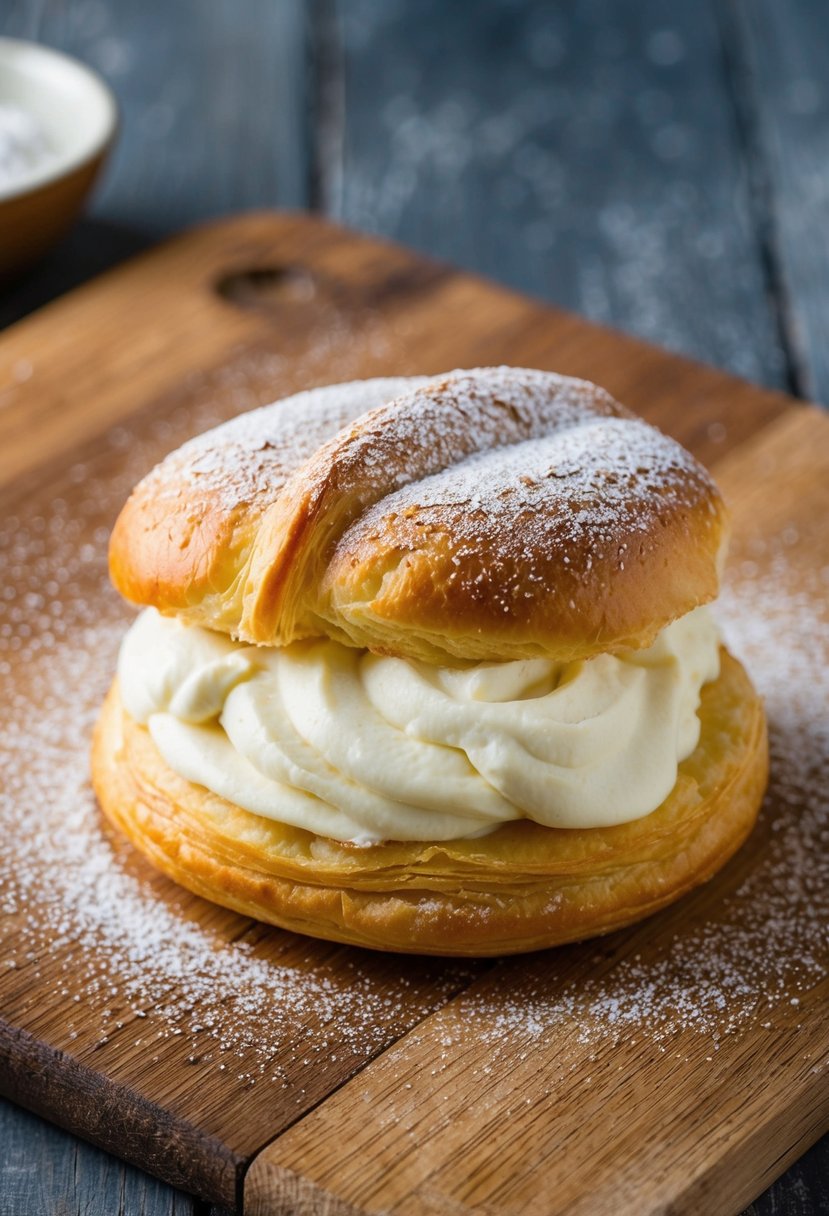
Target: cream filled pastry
[425,665]
[365,748]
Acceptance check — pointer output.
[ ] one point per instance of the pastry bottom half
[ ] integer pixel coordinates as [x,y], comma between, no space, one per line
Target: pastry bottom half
[520,888]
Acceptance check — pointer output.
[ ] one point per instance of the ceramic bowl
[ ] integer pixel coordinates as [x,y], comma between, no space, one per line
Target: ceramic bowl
[78,117]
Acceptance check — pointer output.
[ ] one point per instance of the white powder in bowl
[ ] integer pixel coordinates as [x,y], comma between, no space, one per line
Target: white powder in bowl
[24,145]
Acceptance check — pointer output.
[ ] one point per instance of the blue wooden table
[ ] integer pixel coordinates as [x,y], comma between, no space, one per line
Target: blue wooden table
[662,168]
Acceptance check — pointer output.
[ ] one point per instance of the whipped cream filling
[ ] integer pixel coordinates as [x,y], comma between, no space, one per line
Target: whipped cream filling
[363,748]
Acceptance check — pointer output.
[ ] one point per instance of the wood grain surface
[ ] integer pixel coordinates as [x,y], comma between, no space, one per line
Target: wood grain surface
[223,319]
[778,56]
[589,154]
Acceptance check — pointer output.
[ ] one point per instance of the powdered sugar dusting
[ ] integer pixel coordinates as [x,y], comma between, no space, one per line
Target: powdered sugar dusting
[596,492]
[254,453]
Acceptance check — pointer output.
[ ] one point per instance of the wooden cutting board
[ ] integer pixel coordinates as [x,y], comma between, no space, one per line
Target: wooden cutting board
[676,1066]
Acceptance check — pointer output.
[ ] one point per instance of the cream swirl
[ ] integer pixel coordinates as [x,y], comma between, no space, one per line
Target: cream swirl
[362,748]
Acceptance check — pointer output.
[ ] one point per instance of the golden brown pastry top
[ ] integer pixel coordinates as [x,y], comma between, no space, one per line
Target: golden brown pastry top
[489,514]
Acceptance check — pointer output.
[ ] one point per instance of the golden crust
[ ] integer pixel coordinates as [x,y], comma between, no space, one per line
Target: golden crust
[521,888]
[494,514]
[188,528]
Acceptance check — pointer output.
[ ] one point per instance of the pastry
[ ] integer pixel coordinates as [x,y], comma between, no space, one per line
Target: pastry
[427,665]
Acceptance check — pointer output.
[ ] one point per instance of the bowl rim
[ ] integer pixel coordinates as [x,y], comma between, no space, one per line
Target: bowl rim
[63,164]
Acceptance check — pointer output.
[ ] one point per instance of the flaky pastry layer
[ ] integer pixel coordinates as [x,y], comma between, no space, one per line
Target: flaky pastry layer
[520,888]
[493,514]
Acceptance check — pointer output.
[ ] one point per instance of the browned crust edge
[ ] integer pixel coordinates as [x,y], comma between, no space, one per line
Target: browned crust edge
[321,546]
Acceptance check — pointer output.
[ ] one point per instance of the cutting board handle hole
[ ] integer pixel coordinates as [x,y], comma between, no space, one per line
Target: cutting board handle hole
[267,287]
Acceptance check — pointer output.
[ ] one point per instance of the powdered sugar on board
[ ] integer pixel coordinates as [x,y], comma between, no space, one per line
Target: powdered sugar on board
[130,948]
